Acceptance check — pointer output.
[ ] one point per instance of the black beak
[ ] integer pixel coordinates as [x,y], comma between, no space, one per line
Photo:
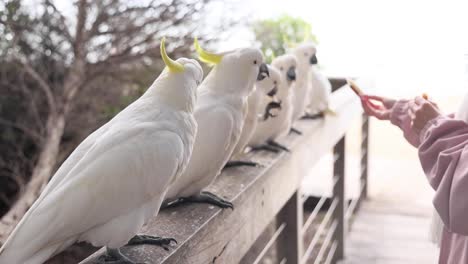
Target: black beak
[263,72]
[291,74]
[272,105]
[273,91]
[313,60]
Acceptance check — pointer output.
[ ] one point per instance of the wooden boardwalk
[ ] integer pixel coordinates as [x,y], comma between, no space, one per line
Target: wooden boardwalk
[390,232]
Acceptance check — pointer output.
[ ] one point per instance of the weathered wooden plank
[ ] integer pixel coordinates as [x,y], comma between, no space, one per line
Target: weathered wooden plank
[381,234]
[290,246]
[400,208]
[209,235]
[339,194]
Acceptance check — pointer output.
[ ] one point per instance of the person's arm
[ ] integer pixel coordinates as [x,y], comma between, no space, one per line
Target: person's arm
[444,158]
[394,111]
[400,117]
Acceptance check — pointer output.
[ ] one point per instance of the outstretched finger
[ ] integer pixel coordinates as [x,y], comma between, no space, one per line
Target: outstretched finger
[368,100]
[377,98]
[372,111]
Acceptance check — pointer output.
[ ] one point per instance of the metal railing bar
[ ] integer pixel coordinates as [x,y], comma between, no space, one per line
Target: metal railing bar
[363,169]
[364,138]
[363,155]
[331,253]
[320,230]
[351,207]
[354,203]
[270,243]
[304,198]
[336,157]
[336,178]
[326,242]
[313,215]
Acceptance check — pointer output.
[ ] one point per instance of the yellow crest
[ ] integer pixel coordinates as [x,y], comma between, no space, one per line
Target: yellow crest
[206,56]
[171,64]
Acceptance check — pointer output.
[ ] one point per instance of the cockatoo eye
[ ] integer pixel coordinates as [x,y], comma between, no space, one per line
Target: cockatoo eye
[275,82]
[255,62]
[306,54]
[198,82]
[281,69]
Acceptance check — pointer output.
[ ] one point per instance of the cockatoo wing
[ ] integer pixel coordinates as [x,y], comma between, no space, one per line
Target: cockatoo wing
[250,123]
[212,149]
[122,171]
[73,159]
[320,91]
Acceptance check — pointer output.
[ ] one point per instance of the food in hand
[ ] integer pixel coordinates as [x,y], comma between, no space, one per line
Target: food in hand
[355,88]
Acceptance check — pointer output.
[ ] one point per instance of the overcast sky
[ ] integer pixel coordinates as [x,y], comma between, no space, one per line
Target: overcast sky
[405,46]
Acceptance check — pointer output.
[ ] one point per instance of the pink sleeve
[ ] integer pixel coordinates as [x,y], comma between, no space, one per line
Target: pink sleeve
[444,157]
[400,117]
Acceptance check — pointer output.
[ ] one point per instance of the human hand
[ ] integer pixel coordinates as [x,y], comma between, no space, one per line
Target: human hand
[382,111]
[421,112]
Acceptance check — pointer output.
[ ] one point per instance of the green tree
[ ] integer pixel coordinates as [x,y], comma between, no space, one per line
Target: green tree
[273,33]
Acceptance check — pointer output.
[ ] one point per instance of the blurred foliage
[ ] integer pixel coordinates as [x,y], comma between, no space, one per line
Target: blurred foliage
[273,33]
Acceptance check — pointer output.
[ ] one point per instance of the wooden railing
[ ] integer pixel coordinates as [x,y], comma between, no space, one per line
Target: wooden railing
[268,197]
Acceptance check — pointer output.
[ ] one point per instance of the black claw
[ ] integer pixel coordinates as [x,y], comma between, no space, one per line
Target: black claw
[294,130]
[151,240]
[278,145]
[208,197]
[203,197]
[265,148]
[314,116]
[238,163]
[174,203]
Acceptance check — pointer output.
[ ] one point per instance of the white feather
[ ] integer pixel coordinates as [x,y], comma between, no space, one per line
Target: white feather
[319,92]
[300,98]
[278,126]
[220,114]
[255,110]
[116,178]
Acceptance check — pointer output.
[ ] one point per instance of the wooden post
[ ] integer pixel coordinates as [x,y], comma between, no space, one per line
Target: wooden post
[290,246]
[339,193]
[365,156]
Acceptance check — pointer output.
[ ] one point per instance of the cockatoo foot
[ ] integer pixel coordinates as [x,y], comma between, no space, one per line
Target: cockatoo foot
[114,256]
[238,163]
[294,130]
[210,198]
[203,197]
[314,116]
[151,240]
[265,148]
[278,145]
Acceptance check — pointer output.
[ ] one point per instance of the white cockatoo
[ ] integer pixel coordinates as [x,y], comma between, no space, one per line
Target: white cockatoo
[320,90]
[303,53]
[286,64]
[268,131]
[220,114]
[116,179]
[265,90]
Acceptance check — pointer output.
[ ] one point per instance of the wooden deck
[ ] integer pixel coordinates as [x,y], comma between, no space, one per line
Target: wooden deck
[390,232]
